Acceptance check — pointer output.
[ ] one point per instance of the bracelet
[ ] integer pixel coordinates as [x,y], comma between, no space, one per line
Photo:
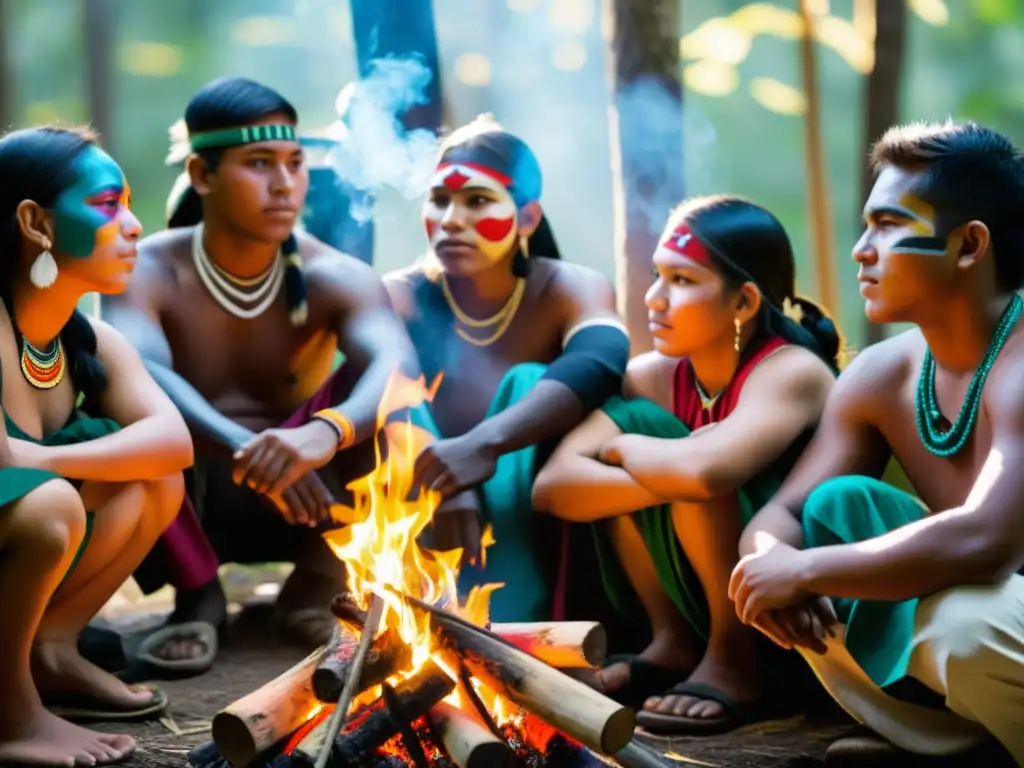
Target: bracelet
[341,423]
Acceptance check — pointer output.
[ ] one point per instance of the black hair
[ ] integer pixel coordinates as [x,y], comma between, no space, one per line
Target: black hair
[968,172]
[484,141]
[37,164]
[746,243]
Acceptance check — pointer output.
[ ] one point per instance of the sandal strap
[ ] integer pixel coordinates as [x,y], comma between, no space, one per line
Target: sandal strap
[703,691]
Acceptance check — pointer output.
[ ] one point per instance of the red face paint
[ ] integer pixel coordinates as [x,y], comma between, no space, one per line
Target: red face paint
[682,241]
[455,180]
[495,230]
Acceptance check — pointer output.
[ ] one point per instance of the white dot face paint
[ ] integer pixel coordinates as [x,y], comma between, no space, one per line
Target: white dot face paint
[470,217]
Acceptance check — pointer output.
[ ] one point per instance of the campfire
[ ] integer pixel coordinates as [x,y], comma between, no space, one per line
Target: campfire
[411,676]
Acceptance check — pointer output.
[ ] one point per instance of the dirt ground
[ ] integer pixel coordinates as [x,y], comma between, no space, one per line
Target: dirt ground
[251,658]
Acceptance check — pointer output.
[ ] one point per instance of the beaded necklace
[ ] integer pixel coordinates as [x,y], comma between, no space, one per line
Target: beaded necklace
[948,442]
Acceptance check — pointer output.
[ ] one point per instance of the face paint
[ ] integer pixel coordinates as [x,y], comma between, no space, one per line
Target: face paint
[86,215]
[921,223]
[682,241]
[495,231]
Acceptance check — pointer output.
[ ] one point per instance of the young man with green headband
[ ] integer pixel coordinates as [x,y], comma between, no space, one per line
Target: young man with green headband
[926,590]
[239,318]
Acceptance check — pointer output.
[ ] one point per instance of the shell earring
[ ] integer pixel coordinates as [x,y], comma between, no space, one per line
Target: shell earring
[43,272]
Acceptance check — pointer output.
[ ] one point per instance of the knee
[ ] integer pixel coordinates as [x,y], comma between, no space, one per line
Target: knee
[164,498]
[50,519]
[968,625]
[834,496]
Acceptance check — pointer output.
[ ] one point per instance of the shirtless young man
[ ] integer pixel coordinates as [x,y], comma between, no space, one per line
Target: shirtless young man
[528,347]
[926,589]
[240,322]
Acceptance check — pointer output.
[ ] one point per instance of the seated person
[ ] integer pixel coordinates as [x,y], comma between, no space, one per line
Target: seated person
[527,345]
[240,319]
[675,471]
[83,498]
[926,588]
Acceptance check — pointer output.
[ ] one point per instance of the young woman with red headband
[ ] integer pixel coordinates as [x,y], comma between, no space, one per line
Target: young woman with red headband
[710,424]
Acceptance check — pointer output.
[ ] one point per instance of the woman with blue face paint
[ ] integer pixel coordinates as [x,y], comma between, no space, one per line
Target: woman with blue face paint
[91,451]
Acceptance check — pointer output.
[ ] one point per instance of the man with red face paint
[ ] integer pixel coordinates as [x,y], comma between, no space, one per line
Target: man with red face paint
[715,418]
[527,345]
[240,319]
[928,589]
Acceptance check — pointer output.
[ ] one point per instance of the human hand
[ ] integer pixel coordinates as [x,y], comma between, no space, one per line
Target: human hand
[456,523]
[804,625]
[276,458]
[307,501]
[453,465]
[766,581]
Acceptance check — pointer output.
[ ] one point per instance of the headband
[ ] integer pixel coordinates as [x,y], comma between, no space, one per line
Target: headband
[682,241]
[250,134]
[505,159]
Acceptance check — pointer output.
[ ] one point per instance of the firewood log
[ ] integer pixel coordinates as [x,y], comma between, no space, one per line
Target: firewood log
[469,743]
[387,656]
[562,644]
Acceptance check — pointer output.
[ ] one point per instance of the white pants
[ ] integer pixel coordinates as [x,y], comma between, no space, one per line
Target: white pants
[969,647]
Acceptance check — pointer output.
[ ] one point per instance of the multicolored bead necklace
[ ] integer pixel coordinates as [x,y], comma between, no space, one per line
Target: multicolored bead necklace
[43,369]
[948,442]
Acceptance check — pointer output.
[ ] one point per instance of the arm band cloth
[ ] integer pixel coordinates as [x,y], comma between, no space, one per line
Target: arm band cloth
[593,363]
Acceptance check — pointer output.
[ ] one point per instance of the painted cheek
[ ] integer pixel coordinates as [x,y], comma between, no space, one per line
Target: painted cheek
[432,227]
[77,228]
[107,234]
[495,230]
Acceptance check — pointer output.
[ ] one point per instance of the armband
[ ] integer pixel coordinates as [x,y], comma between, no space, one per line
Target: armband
[342,425]
[593,362]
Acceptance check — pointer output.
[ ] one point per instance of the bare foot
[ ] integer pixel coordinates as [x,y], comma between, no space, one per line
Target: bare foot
[207,604]
[667,650]
[738,681]
[57,668]
[37,737]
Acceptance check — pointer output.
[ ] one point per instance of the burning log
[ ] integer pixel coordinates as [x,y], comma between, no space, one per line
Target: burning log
[562,644]
[255,722]
[578,710]
[469,743]
[372,727]
[347,610]
[387,656]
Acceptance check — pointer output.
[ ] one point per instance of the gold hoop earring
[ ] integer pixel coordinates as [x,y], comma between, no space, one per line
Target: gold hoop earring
[524,246]
[739,328]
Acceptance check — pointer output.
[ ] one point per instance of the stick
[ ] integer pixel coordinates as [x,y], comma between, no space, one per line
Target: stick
[355,672]
[567,704]
[388,655]
[468,742]
[372,726]
[562,644]
[257,721]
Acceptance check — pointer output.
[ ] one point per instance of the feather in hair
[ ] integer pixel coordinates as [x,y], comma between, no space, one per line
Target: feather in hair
[180,147]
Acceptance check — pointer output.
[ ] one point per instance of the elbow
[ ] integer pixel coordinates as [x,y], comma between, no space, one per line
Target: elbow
[179,450]
[703,482]
[993,559]
[548,491]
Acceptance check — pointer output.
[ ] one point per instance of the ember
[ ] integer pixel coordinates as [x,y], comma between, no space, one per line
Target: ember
[436,685]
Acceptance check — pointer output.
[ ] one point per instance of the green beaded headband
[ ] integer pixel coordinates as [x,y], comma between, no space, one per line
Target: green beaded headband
[250,134]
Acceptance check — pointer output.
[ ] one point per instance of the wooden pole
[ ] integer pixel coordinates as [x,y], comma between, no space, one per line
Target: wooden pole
[818,203]
[562,644]
[387,656]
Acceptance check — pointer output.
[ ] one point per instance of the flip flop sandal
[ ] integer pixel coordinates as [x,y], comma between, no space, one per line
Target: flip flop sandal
[102,647]
[646,679]
[199,631]
[736,714]
[83,708]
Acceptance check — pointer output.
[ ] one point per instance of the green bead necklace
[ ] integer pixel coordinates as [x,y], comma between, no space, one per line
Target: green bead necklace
[929,417]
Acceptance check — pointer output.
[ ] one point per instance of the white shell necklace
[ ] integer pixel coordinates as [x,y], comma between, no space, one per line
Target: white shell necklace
[227,290]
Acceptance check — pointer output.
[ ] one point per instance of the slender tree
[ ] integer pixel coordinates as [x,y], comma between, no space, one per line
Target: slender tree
[885,22]
[646,130]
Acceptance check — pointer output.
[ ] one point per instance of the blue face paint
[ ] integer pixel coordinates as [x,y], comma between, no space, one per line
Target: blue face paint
[86,213]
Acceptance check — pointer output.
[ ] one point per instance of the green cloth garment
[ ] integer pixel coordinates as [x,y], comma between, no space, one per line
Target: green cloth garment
[853,508]
[643,417]
[16,482]
[516,558]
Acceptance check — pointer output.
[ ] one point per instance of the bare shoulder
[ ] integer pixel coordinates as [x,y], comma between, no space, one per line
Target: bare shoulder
[1002,392]
[794,369]
[573,282]
[111,344]
[865,389]
[161,255]
[401,287]
[650,376]
[323,264]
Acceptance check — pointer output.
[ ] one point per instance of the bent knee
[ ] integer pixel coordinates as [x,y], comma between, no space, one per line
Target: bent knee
[166,495]
[968,623]
[836,493]
[50,519]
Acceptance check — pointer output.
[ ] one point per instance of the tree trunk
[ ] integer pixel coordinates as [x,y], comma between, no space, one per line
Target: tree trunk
[881,100]
[646,133]
[818,201]
[6,94]
[99,18]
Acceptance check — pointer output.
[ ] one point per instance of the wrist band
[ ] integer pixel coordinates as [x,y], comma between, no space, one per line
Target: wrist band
[341,423]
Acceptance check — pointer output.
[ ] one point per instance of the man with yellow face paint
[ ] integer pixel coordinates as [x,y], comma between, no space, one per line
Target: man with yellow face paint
[927,589]
[528,345]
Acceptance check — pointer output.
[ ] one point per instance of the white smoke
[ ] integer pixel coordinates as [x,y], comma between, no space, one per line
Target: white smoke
[375,151]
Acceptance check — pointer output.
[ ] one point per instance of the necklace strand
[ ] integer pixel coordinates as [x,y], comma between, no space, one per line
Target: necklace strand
[502,318]
[43,369]
[948,442]
[228,296]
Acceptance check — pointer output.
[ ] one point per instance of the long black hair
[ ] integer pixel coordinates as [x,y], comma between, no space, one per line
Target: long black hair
[37,164]
[746,243]
[486,143]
